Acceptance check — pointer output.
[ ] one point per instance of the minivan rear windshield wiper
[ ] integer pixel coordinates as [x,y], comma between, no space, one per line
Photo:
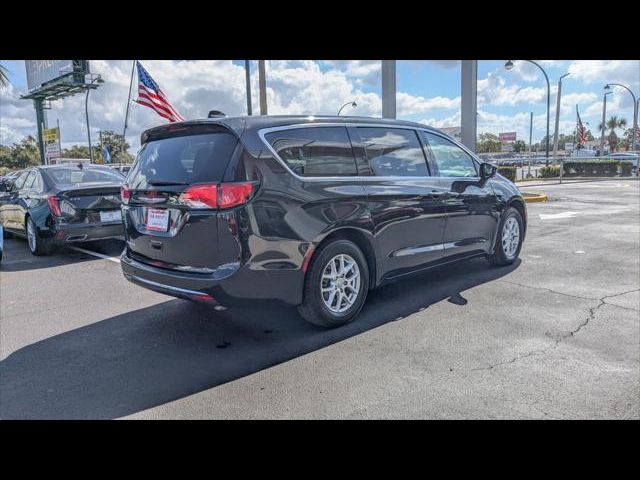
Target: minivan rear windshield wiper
[165,183]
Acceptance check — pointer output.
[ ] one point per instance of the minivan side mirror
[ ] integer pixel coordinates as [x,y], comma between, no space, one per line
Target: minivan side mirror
[487,170]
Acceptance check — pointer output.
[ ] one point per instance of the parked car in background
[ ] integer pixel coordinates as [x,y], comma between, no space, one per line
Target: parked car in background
[1,241]
[122,168]
[62,204]
[584,153]
[313,211]
[7,177]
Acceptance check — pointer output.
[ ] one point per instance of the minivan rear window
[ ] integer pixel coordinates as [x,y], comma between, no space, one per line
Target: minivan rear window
[185,160]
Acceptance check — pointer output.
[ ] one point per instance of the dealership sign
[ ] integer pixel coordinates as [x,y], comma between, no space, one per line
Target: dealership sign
[507,137]
[40,72]
[50,134]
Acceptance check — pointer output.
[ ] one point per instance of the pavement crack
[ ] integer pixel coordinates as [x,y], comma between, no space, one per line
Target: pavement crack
[591,316]
[552,291]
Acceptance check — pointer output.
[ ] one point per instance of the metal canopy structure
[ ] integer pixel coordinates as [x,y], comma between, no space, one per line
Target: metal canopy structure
[62,87]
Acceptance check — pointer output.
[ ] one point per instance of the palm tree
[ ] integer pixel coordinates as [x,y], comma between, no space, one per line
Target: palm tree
[4,76]
[612,124]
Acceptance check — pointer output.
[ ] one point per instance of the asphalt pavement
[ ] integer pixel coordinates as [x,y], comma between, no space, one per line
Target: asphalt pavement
[556,335]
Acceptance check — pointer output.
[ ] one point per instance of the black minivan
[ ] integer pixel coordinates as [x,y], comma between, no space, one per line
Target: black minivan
[313,211]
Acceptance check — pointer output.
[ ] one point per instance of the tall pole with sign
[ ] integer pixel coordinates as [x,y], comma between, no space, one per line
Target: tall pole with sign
[59,136]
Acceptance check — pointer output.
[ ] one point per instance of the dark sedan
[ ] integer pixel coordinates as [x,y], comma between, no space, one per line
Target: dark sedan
[62,204]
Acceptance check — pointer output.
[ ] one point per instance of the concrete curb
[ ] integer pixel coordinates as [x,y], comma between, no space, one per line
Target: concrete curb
[534,197]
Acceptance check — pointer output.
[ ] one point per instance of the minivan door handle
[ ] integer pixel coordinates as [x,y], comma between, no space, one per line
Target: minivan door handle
[155,244]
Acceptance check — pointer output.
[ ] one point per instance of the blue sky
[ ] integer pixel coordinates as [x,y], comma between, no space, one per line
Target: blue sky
[428,92]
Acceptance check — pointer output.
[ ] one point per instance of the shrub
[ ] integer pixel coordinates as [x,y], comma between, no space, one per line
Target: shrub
[625,169]
[607,168]
[550,171]
[508,172]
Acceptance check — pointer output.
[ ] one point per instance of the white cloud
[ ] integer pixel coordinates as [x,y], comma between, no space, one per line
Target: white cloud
[408,104]
[626,72]
[494,90]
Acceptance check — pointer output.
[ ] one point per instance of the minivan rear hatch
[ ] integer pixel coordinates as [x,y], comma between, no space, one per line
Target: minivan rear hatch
[172,194]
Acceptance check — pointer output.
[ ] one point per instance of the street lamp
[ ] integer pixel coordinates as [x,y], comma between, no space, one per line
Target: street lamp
[555,135]
[607,87]
[509,66]
[98,79]
[604,115]
[353,104]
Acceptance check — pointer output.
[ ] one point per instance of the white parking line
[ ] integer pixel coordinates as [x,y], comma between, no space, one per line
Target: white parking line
[549,216]
[96,254]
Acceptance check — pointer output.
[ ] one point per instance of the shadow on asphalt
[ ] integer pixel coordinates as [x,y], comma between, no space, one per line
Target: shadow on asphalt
[148,357]
[17,257]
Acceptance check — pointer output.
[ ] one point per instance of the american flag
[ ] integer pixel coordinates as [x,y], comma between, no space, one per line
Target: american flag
[581,131]
[150,95]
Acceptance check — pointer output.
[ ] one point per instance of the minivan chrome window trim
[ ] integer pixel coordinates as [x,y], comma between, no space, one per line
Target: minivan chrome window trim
[358,178]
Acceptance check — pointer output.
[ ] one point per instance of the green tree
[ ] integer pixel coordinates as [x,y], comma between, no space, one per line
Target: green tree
[24,153]
[627,139]
[487,143]
[613,124]
[117,145]
[519,146]
[77,151]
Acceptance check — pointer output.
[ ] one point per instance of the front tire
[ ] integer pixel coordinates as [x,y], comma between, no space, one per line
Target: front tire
[37,245]
[336,285]
[510,237]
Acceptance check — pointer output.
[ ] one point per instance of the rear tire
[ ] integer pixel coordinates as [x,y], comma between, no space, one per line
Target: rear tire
[509,240]
[37,245]
[336,285]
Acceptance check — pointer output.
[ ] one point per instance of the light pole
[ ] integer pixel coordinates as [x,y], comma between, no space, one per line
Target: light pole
[247,74]
[555,135]
[607,87]
[604,116]
[509,66]
[353,104]
[97,79]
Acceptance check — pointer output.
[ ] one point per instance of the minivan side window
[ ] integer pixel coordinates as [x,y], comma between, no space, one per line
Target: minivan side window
[451,160]
[315,151]
[393,152]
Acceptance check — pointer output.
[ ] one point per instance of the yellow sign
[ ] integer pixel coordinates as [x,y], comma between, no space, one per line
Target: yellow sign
[50,134]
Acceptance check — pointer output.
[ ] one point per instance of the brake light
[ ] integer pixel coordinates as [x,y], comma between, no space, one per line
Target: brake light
[201,196]
[233,194]
[125,194]
[53,205]
[224,195]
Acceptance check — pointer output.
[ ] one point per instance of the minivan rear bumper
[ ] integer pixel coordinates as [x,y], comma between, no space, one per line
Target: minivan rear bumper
[240,283]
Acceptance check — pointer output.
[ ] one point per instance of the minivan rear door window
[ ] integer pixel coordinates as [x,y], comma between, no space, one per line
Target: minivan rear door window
[315,151]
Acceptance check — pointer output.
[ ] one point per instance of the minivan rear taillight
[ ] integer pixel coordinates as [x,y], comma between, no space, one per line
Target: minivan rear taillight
[222,195]
[125,194]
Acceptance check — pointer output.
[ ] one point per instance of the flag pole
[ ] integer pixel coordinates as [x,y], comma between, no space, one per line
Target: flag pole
[126,115]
